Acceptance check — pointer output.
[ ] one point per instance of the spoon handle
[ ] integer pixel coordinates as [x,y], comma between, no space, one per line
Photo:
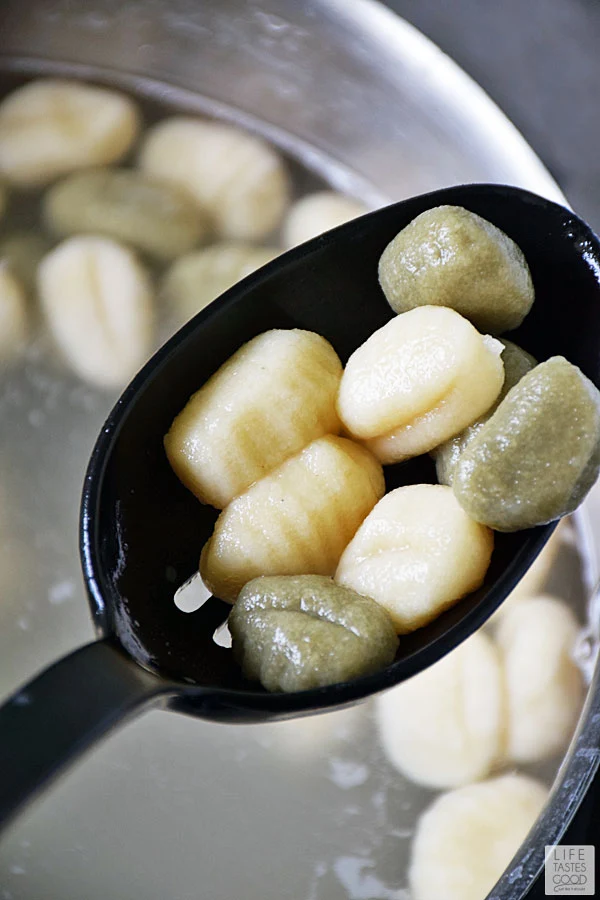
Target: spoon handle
[70,706]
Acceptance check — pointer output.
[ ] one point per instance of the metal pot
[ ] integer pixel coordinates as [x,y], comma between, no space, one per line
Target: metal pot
[364,100]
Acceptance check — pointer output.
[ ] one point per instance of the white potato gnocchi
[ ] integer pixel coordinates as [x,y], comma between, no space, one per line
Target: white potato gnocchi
[417,553]
[544,687]
[295,521]
[315,213]
[238,178]
[13,315]
[196,279]
[153,216]
[417,381]
[443,727]
[97,301]
[467,837]
[270,399]
[52,126]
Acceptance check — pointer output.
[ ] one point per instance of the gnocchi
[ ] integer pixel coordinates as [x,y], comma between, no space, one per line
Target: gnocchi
[316,213]
[467,837]
[444,727]
[153,216]
[268,401]
[97,302]
[195,280]
[294,633]
[417,553]
[13,315]
[294,521]
[538,455]
[236,177]
[417,381]
[51,126]
[451,257]
[544,687]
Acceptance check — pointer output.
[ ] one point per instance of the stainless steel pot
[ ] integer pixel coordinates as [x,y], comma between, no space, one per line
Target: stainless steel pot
[363,99]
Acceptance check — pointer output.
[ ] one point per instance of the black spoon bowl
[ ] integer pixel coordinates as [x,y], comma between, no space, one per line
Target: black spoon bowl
[142,531]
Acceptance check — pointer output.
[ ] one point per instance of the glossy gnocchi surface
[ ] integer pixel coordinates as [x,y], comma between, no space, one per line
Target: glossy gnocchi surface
[196,279]
[538,455]
[294,633]
[295,521]
[417,553]
[445,726]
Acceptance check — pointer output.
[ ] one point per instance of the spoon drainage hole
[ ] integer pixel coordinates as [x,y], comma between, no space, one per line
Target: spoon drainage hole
[191,595]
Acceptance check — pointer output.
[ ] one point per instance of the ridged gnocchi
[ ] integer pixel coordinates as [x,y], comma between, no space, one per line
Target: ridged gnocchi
[270,399]
[196,279]
[236,177]
[294,521]
[417,381]
[517,362]
[467,837]
[417,553]
[97,301]
[444,727]
[544,687]
[316,213]
[52,126]
[153,216]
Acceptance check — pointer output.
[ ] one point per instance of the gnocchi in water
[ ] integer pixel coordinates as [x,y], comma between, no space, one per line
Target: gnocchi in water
[97,302]
[444,727]
[316,213]
[268,401]
[544,687]
[451,257]
[294,521]
[198,278]
[467,837]
[52,126]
